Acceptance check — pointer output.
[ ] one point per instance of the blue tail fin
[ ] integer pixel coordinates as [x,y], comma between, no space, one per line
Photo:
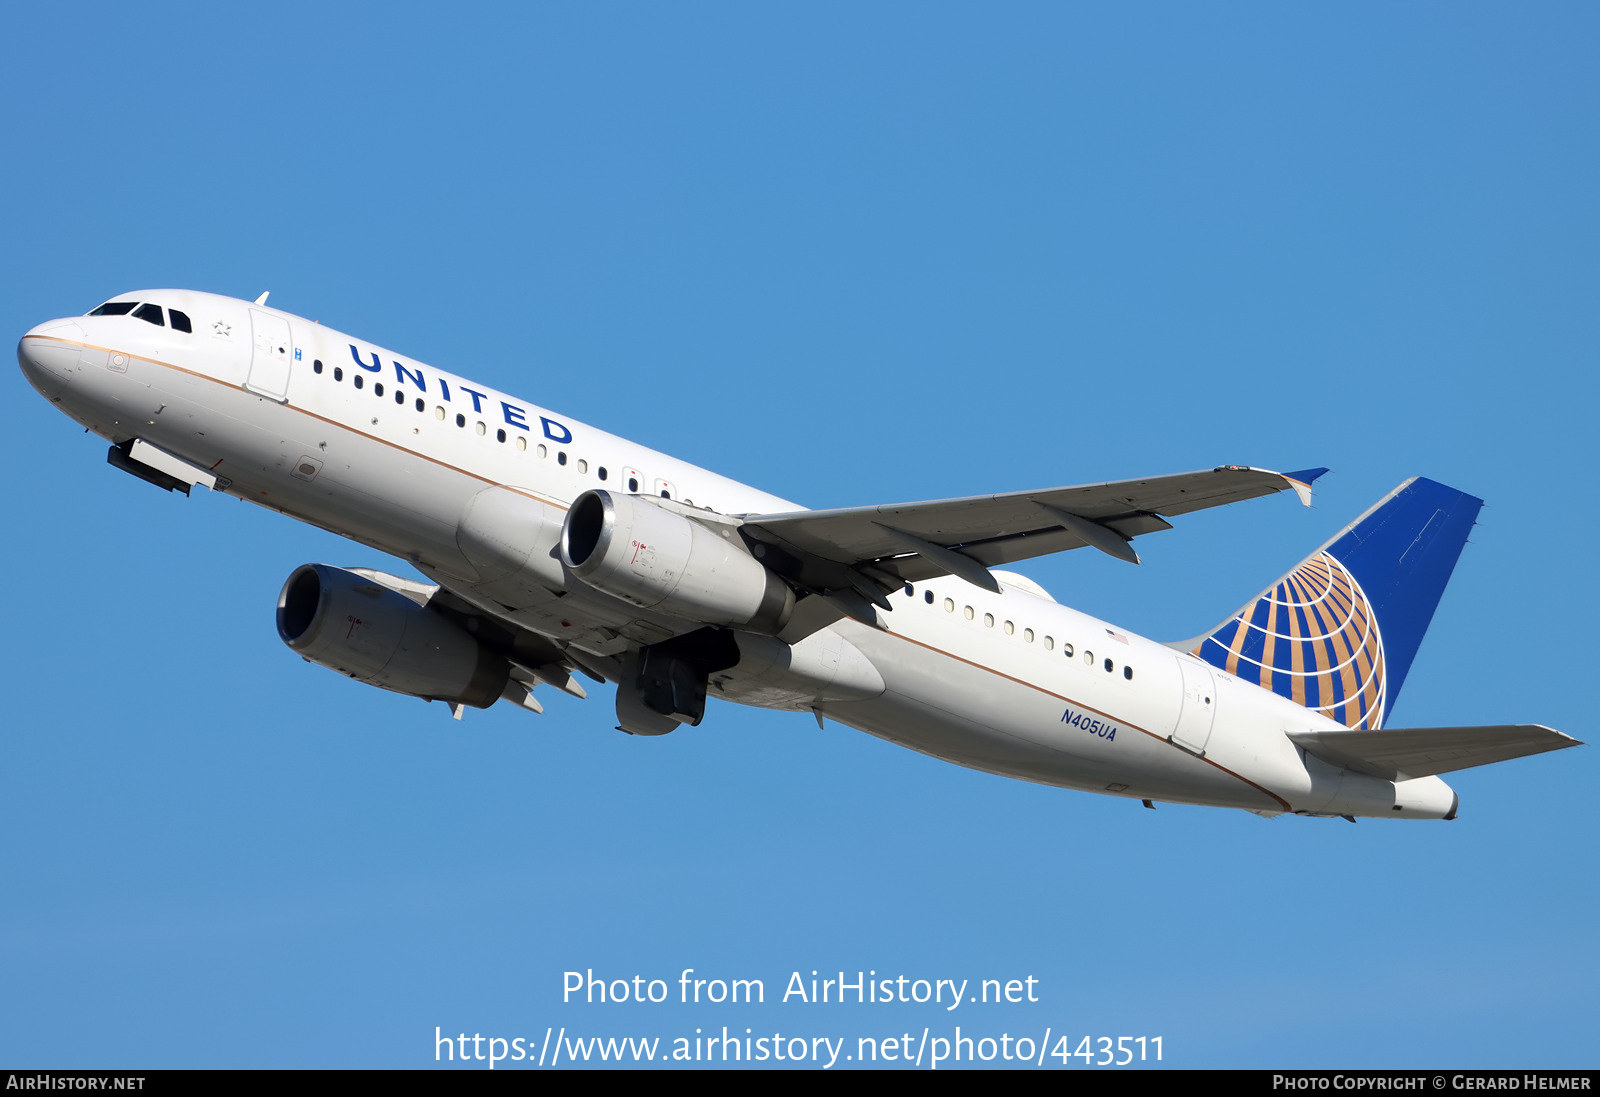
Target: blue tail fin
[1339,632]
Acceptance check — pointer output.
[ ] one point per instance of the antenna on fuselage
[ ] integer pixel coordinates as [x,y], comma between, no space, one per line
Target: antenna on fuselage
[263,298]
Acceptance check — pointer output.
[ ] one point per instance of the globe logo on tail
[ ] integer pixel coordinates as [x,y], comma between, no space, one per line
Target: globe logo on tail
[1312,638]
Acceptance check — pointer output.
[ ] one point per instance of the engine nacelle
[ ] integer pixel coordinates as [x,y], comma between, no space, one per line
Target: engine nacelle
[374,634]
[653,558]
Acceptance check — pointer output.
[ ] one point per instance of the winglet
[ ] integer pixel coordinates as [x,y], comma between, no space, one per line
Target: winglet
[1301,482]
[263,298]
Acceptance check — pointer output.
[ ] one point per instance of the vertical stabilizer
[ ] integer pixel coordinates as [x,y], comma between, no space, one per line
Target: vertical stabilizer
[1339,632]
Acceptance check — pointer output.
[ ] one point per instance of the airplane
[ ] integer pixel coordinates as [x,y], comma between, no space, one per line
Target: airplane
[556,551]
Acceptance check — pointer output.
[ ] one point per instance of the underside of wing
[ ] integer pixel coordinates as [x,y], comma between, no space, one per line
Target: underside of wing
[835,550]
[532,658]
[1398,754]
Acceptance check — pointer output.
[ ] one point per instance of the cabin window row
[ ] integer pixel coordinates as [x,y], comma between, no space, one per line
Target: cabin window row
[633,480]
[1028,635]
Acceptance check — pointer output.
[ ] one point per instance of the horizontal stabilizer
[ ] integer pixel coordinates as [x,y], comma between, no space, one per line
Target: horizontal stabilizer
[1399,754]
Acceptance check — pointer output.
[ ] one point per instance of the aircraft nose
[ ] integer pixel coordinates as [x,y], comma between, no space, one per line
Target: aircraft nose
[48,355]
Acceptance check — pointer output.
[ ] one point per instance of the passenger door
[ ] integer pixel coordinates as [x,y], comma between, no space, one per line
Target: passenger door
[1199,706]
[270,356]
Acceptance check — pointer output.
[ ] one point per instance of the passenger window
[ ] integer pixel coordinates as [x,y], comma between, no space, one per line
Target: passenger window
[482,430]
[180,322]
[338,374]
[420,405]
[522,443]
[150,314]
[461,420]
[114,308]
[1010,629]
[500,436]
[358,381]
[911,591]
[377,388]
[1127,672]
[601,472]
[927,596]
[316,366]
[400,397]
[1066,649]
[1049,643]
[583,466]
[968,612]
[438,413]
[949,605]
[988,620]
[1108,666]
[561,457]
[1088,657]
[1027,634]
[633,484]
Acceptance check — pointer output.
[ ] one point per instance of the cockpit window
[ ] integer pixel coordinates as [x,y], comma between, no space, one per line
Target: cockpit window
[114,308]
[150,314]
[180,321]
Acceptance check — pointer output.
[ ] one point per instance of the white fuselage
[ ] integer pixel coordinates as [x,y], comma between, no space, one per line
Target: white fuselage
[1011,683]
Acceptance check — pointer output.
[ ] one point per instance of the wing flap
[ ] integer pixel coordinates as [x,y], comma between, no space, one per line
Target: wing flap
[1398,754]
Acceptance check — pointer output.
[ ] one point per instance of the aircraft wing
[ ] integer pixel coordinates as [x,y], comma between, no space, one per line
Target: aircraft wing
[1397,754]
[830,551]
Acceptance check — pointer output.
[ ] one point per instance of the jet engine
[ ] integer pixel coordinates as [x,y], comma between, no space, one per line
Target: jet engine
[632,548]
[359,627]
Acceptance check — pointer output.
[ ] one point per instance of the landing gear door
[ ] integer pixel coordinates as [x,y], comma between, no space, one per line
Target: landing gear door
[1199,706]
[271,352]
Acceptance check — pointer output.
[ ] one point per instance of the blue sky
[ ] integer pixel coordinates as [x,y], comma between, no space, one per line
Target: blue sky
[850,255]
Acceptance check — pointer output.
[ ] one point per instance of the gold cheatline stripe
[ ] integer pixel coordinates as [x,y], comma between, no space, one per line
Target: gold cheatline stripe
[561,506]
[314,415]
[1090,708]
